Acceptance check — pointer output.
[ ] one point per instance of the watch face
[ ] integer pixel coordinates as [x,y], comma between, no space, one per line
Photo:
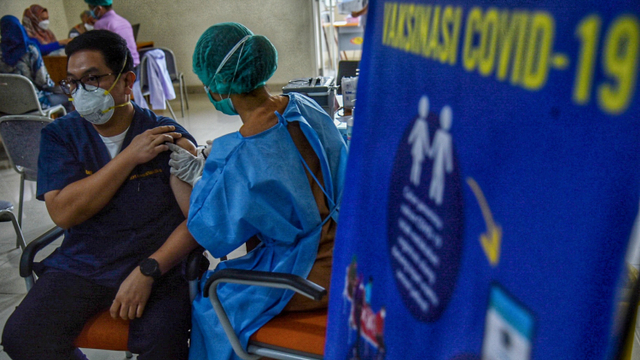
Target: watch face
[150,267]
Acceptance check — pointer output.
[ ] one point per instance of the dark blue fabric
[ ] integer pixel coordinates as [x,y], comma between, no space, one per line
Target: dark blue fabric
[14,40]
[137,220]
[46,323]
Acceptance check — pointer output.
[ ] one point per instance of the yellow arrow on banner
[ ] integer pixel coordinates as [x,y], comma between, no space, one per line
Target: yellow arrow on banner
[491,240]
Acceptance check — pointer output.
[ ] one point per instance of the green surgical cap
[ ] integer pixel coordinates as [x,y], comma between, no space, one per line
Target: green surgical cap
[256,61]
[99,2]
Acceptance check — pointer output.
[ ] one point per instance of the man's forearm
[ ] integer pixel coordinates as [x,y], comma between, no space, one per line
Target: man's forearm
[179,244]
[81,200]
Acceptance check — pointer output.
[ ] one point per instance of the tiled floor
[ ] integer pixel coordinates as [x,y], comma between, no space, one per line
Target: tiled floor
[202,120]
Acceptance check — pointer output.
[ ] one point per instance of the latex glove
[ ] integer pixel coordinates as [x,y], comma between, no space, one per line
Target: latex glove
[207,149]
[184,165]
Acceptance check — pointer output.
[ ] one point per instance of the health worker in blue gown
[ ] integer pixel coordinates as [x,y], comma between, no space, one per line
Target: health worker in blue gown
[277,183]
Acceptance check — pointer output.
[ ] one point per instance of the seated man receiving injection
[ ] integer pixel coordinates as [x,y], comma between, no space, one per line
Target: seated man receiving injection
[104,176]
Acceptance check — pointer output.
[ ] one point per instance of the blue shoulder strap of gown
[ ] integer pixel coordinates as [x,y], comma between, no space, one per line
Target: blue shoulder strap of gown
[312,137]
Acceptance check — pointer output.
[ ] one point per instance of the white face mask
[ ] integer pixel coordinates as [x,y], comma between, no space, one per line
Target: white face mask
[44,24]
[89,27]
[96,106]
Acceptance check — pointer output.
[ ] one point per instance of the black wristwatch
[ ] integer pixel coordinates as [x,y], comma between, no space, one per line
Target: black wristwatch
[150,267]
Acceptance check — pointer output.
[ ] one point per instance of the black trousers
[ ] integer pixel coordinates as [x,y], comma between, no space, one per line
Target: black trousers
[46,323]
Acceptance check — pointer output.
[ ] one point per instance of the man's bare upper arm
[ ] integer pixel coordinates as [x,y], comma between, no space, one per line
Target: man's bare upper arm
[187,145]
[182,190]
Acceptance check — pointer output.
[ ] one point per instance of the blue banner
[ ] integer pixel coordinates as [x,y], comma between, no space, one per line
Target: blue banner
[493,181]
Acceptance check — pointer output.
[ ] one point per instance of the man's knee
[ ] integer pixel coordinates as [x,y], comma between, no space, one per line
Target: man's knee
[163,330]
[18,340]
[161,334]
[169,343]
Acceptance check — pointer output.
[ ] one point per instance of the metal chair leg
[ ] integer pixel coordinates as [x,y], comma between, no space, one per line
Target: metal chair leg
[29,282]
[21,201]
[184,87]
[20,242]
[171,109]
[181,101]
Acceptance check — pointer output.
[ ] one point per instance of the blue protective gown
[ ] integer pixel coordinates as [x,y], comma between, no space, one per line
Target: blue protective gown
[257,186]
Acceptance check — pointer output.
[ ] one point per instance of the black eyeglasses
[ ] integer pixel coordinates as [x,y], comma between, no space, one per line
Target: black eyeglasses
[88,82]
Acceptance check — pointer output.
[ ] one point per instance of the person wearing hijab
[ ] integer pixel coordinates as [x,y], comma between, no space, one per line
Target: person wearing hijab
[84,26]
[20,55]
[35,20]
[276,182]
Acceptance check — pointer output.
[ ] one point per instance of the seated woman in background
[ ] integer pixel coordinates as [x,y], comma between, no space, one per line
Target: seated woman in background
[36,22]
[20,55]
[84,26]
[276,182]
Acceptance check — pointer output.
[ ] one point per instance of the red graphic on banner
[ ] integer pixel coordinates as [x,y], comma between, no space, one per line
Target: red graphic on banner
[368,324]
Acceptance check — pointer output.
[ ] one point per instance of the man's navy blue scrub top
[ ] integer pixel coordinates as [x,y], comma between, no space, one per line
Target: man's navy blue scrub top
[137,220]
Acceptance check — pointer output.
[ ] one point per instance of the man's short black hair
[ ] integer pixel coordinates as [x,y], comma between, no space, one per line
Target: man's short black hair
[112,46]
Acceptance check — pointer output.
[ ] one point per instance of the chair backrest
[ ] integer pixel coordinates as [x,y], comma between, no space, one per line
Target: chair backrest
[143,71]
[21,139]
[142,74]
[18,95]
[170,58]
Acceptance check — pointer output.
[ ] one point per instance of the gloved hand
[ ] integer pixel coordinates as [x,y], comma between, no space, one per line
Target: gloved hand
[207,149]
[184,165]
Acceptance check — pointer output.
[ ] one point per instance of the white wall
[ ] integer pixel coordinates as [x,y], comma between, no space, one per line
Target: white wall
[178,24]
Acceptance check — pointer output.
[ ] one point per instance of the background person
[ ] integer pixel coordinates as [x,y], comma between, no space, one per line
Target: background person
[86,25]
[20,55]
[35,20]
[362,13]
[104,176]
[276,182]
[107,19]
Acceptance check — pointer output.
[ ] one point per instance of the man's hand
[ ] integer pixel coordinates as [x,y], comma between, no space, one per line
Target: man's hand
[132,296]
[184,165]
[149,144]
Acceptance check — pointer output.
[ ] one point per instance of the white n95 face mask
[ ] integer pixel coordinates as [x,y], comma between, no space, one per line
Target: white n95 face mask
[89,27]
[96,106]
[44,24]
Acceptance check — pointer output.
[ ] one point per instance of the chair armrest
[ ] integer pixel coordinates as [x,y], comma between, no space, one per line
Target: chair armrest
[266,279]
[257,278]
[29,253]
[197,264]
